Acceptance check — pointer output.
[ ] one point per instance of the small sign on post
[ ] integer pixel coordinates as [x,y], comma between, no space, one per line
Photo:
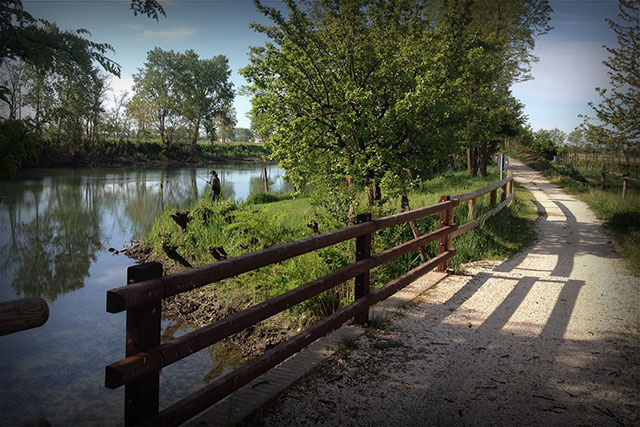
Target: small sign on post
[503,163]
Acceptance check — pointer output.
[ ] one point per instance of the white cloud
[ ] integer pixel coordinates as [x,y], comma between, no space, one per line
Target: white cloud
[176,32]
[134,27]
[118,85]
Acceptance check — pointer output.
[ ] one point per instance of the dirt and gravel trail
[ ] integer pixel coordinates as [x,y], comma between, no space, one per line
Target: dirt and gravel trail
[550,337]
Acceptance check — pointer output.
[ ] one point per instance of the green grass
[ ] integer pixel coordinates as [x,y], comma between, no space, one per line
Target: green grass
[621,217]
[251,226]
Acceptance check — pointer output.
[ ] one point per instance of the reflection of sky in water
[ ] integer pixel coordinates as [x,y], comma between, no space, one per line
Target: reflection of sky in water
[55,229]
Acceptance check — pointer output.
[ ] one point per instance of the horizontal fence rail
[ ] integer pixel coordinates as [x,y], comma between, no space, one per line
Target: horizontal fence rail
[227,384]
[142,299]
[471,197]
[22,314]
[141,364]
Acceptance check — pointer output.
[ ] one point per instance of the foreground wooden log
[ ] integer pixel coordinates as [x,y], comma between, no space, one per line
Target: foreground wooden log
[21,314]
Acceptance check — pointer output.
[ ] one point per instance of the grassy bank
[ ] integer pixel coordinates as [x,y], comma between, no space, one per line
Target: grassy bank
[224,228]
[621,217]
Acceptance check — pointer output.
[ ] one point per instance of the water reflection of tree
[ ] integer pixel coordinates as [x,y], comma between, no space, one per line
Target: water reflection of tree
[53,224]
[256,184]
[53,251]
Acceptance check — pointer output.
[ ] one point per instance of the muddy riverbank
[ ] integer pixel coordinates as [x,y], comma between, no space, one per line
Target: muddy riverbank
[208,304]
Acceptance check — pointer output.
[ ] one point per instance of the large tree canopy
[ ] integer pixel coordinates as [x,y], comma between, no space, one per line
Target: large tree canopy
[617,121]
[374,92]
[349,88]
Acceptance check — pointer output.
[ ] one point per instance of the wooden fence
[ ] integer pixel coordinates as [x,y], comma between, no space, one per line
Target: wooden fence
[22,314]
[142,299]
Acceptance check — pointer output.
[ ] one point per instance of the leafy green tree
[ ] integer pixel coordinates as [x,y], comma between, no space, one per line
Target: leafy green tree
[140,110]
[547,142]
[118,121]
[14,78]
[155,88]
[378,93]
[39,95]
[352,93]
[183,91]
[46,48]
[44,44]
[222,125]
[496,43]
[242,134]
[617,121]
[74,115]
[205,89]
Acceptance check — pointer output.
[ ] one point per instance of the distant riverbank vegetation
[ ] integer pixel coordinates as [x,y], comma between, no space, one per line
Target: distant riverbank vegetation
[55,107]
[61,115]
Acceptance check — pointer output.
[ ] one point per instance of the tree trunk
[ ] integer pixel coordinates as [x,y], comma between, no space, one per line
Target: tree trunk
[373,194]
[483,159]
[194,139]
[472,161]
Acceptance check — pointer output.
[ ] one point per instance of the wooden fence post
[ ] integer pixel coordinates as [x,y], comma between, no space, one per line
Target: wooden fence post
[492,198]
[141,397]
[362,281]
[510,188]
[625,179]
[446,218]
[602,180]
[472,209]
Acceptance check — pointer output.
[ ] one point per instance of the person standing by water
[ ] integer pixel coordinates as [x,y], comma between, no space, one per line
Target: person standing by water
[214,183]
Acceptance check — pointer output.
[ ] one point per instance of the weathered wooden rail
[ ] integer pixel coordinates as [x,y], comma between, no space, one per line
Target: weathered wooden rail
[142,299]
[22,314]
[506,196]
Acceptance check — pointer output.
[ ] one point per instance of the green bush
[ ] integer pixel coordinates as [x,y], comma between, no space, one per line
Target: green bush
[17,143]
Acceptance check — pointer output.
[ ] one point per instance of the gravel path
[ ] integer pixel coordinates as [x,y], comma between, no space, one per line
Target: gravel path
[550,337]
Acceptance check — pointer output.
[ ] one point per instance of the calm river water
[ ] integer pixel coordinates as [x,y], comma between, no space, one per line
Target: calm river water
[56,227]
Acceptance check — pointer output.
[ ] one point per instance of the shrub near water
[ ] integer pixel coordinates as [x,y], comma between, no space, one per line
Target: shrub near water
[240,229]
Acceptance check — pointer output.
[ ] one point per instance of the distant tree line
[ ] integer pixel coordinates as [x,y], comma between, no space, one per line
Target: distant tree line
[614,132]
[177,97]
[54,86]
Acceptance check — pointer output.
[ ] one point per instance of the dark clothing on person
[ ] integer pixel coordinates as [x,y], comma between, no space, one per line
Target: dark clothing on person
[214,183]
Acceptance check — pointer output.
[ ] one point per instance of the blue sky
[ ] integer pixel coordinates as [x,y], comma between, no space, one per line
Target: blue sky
[569,69]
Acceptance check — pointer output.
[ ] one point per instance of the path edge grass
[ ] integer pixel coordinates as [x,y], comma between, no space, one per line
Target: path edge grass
[620,218]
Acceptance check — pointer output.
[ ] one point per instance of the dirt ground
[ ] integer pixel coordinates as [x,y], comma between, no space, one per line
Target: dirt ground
[548,338]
